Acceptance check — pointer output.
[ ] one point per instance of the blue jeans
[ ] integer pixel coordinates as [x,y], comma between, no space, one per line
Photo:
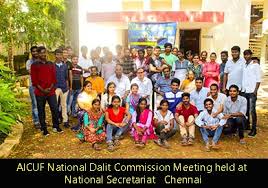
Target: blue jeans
[34,105]
[216,134]
[110,129]
[72,101]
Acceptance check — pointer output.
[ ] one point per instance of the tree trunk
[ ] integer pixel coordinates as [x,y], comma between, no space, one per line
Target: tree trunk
[10,54]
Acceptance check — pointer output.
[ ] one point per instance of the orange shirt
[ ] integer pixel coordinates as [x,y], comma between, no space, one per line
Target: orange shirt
[97,84]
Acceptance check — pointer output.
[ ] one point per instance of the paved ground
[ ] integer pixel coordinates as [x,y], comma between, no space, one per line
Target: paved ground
[65,145]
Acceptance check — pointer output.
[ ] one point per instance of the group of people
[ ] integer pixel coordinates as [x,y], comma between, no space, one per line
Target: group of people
[147,93]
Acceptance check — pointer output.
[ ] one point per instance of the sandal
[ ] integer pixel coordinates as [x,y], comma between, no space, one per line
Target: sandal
[116,142]
[111,147]
[96,147]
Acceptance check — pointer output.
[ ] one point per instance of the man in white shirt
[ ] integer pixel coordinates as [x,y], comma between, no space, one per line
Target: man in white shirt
[144,83]
[121,81]
[199,95]
[218,99]
[85,62]
[209,125]
[250,85]
[233,71]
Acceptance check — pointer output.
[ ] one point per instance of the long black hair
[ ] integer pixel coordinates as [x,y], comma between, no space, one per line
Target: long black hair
[138,110]
[107,89]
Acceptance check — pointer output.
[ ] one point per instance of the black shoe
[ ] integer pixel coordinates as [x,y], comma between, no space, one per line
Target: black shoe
[75,128]
[45,132]
[57,130]
[252,133]
[66,125]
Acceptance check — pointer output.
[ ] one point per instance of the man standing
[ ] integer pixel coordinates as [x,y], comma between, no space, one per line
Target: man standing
[224,59]
[168,56]
[62,85]
[76,83]
[199,95]
[43,74]
[34,58]
[162,86]
[85,62]
[144,83]
[97,81]
[122,83]
[233,70]
[235,108]
[108,66]
[128,65]
[250,85]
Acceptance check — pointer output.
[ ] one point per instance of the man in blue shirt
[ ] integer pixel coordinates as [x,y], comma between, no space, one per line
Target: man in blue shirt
[174,96]
[162,86]
[199,95]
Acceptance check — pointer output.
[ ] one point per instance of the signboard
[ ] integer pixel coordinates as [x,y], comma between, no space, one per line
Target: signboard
[141,35]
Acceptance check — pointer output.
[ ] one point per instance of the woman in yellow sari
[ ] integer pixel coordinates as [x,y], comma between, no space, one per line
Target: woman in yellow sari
[188,84]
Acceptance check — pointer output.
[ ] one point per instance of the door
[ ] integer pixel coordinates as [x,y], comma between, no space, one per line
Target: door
[190,40]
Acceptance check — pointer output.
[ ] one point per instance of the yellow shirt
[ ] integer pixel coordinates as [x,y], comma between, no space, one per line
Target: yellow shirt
[97,84]
[84,99]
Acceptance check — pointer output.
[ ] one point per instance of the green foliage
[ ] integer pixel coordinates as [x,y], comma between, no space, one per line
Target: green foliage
[32,21]
[10,107]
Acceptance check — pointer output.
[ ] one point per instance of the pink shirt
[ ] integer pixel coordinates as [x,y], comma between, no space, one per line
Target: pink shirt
[211,72]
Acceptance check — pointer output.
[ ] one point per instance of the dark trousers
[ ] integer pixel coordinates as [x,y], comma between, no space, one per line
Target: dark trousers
[233,124]
[163,135]
[53,105]
[251,109]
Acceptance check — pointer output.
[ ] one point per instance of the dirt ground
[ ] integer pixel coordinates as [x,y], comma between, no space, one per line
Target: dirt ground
[65,145]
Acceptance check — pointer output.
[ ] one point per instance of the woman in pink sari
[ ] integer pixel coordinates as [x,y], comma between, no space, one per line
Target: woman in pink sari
[142,124]
[211,71]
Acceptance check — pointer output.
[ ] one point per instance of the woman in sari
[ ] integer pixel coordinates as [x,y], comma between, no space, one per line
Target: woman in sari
[188,84]
[211,71]
[92,129]
[142,124]
[84,101]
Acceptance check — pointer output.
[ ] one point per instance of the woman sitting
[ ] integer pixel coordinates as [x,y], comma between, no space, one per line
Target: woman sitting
[106,99]
[142,124]
[84,101]
[188,84]
[117,119]
[92,129]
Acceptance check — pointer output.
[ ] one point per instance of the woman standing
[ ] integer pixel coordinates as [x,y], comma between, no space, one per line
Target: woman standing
[106,99]
[142,124]
[211,71]
[92,129]
[196,67]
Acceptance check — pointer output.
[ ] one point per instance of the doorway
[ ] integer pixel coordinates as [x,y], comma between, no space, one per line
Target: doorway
[190,40]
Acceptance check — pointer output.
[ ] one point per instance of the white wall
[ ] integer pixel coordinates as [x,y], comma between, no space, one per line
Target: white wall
[234,31]
[92,34]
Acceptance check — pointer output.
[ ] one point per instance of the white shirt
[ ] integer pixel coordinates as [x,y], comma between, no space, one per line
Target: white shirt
[235,72]
[122,84]
[169,116]
[199,97]
[251,75]
[145,86]
[219,101]
[85,64]
[204,118]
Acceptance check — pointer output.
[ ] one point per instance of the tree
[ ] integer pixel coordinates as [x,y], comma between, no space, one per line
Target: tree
[31,22]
